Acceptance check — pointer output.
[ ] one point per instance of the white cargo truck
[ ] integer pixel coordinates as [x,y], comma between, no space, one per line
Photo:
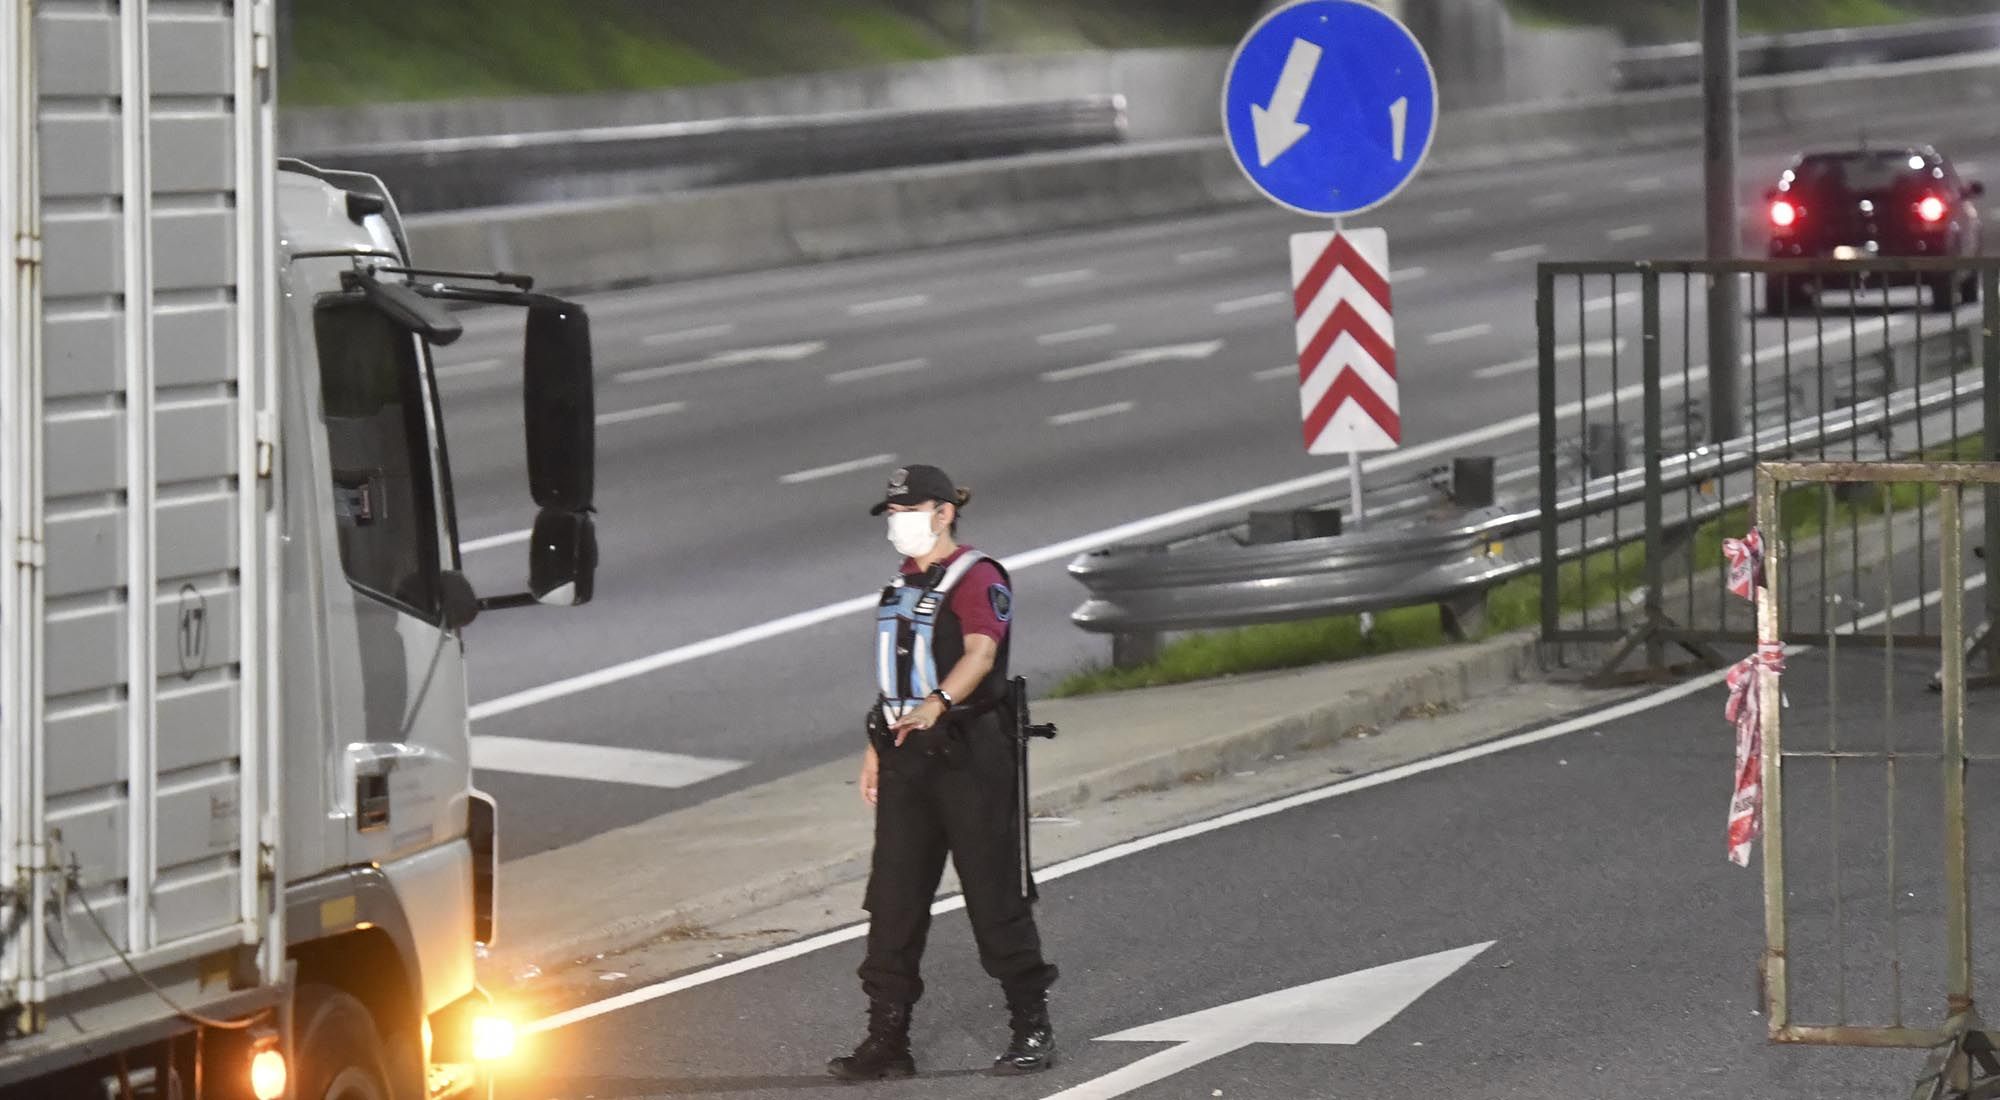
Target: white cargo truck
[240,850]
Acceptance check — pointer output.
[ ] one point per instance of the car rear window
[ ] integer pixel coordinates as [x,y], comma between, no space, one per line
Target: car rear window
[1862,173]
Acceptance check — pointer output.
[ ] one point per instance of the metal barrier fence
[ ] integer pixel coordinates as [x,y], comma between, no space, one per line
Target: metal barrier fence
[506,169]
[1828,338]
[1872,882]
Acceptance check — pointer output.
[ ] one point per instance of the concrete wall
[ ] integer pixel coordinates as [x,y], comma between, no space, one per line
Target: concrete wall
[699,233]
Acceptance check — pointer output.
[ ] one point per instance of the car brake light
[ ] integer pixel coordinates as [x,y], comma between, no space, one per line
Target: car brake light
[1931,209]
[1783,213]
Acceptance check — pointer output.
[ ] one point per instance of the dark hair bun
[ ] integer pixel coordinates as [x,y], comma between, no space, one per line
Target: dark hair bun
[962,497]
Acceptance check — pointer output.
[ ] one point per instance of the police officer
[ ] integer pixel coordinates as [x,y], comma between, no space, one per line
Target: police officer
[940,772]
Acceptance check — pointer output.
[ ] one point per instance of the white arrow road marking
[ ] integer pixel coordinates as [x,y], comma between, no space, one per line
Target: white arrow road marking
[1277,125]
[1399,123]
[1177,353]
[783,353]
[1335,1012]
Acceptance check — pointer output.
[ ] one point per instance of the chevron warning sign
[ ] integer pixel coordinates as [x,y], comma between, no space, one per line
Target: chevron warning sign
[1347,341]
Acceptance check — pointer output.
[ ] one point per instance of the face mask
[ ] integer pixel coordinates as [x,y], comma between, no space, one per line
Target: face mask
[910,533]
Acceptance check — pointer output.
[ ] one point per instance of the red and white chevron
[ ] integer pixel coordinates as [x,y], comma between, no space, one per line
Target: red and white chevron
[1347,341]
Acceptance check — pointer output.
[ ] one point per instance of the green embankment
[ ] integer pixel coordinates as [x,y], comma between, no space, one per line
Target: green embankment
[352,51]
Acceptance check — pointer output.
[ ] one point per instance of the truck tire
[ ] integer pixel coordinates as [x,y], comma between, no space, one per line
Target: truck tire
[340,1054]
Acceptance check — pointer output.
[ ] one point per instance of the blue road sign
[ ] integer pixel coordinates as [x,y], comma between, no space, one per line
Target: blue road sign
[1330,106]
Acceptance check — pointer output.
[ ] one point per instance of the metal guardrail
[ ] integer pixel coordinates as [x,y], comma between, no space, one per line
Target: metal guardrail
[1155,589]
[509,169]
[1677,64]
[1866,385]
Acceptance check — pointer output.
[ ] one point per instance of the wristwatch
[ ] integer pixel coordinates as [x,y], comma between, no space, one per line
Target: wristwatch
[940,693]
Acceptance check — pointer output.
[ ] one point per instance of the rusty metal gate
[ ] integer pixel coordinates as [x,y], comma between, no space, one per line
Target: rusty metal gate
[1872,880]
[1855,360]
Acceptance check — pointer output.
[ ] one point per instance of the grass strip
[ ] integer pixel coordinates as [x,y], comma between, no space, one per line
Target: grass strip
[1590,582]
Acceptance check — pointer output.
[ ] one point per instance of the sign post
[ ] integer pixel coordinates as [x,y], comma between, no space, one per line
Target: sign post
[1330,107]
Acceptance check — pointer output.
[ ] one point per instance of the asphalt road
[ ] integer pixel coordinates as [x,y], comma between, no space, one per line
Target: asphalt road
[751,420]
[1622,945]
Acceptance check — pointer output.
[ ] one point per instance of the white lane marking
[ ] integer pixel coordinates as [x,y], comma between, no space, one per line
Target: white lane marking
[858,374]
[1255,301]
[1206,255]
[1289,370]
[889,305]
[1594,720]
[1177,353]
[837,469]
[1071,336]
[492,541]
[782,353]
[1525,252]
[1453,336]
[1599,305]
[1081,416]
[1408,274]
[626,416]
[595,763]
[1564,354]
[1059,278]
[1452,217]
[1124,532]
[1550,201]
[460,370]
[1645,183]
[1630,232]
[688,335]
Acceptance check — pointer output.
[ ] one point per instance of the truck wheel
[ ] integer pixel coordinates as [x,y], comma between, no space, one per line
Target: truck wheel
[1968,292]
[340,1055]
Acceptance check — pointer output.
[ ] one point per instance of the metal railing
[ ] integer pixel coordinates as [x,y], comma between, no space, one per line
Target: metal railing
[1453,563]
[1863,378]
[1855,309]
[1679,63]
[1852,929]
[508,169]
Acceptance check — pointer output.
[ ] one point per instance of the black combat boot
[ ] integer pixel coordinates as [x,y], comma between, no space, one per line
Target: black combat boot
[885,1053]
[1034,1047]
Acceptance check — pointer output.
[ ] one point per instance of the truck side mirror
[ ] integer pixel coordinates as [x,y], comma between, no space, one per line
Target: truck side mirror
[562,558]
[558,390]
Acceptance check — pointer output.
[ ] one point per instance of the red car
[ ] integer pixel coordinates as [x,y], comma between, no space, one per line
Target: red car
[1859,203]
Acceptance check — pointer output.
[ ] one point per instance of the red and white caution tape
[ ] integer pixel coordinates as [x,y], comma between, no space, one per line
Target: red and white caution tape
[1746,710]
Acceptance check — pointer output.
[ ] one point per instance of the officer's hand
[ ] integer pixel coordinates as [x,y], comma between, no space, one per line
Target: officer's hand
[871,773]
[922,718]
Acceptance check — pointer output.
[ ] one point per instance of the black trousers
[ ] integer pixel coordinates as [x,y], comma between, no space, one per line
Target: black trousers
[933,802]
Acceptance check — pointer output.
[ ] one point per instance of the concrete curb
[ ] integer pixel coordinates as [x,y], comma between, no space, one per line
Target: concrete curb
[1436,679]
[597,245]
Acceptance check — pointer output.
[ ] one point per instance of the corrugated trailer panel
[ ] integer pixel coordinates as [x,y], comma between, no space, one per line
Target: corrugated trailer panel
[133,711]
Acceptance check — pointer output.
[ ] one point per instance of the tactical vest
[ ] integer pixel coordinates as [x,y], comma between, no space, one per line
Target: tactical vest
[918,639]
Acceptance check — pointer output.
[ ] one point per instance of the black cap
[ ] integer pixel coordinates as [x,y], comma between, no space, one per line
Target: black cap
[915,485]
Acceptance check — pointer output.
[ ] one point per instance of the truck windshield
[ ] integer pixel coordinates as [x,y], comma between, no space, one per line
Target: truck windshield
[379,442]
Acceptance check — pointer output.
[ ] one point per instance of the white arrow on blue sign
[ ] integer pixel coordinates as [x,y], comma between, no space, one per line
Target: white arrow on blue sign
[1330,106]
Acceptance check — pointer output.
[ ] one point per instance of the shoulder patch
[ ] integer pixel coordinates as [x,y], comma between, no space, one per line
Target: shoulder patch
[1001,600]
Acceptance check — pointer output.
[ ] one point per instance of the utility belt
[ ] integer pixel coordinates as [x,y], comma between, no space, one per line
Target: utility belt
[948,738]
